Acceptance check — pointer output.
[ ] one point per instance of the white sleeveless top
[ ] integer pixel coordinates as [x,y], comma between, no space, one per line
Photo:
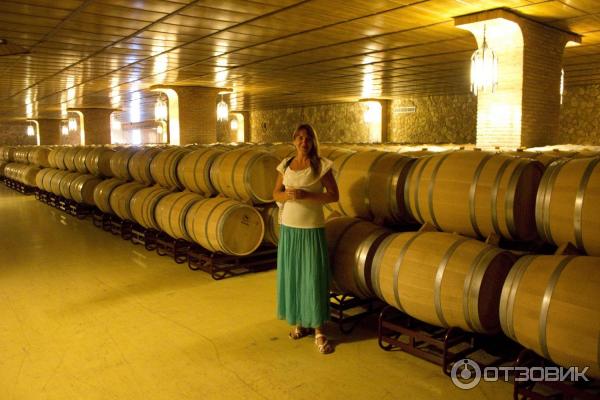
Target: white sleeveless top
[303,213]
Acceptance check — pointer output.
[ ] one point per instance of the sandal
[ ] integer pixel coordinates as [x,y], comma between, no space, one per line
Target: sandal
[299,332]
[325,347]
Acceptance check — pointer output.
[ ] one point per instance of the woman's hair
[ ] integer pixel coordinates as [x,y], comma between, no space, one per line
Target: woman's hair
[313,154]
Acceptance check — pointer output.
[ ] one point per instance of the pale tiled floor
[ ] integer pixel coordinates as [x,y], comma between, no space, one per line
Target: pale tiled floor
[86,315]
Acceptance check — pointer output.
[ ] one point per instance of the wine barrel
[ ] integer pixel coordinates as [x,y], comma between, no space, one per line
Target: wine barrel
[371,185]
[333,152]
[193,171]
[225,225]
[55,152]
[119,162]
[97,161]
[59,157]
[47,179]
[246,174]
[21,154]
[475,193]
[55,181]
[120,199]
[102,193]
[170,213]
[550,305]
[23,173]
[566,207]
[69,158]
[80,158]
[352,244]
[283,150]
[82,189]
[143,205]
[8,153]
[39,178]
[163,167]
[139,164]
[443,279]
[39,157]
[3,165]
[270,215]
[66,182]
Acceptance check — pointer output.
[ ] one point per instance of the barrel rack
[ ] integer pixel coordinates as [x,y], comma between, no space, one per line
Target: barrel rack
[440,346]
[347,310]
[176,248]
[18,186]
[71,207]
[548,390]
[221,266]
[218,265]
[145,237]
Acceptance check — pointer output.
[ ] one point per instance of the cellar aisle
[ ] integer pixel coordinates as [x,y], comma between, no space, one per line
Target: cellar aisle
[87,315]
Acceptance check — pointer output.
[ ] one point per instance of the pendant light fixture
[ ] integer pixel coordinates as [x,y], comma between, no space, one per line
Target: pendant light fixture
[484,69]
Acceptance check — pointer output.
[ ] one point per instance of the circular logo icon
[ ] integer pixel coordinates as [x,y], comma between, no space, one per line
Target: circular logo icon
[465,374]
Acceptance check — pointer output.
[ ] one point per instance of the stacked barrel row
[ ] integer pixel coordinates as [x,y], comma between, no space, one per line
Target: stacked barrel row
[447,277]
[144,185]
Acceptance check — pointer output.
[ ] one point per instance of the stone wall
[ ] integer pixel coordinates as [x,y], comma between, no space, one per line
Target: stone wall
[15,134]
[579,116]
[437,119]
[341,122]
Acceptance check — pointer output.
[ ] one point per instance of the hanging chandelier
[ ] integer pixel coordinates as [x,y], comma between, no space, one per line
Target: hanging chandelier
[64,130]
[484,69]
[30,130]
[222,110]
[160,110]
[72,124]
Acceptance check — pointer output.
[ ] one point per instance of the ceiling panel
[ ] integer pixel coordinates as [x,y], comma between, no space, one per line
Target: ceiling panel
[274,52]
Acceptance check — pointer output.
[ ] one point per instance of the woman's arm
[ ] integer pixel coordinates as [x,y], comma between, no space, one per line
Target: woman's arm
[330,196]
[279,193]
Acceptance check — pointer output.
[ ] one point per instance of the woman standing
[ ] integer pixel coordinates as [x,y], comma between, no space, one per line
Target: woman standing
[303,273]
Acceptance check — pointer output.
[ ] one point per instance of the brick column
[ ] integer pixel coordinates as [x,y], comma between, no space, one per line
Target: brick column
[192,113]
[525,107]
[49,130]
[95,124]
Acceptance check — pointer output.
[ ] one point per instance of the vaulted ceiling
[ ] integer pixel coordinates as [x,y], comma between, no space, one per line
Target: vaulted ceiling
[273,53]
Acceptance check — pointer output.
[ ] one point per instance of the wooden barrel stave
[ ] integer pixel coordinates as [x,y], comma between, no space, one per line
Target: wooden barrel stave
[82,188]
[171,211]
[443,279]
[224,225]
[351,245]
[550,305]
[102,193]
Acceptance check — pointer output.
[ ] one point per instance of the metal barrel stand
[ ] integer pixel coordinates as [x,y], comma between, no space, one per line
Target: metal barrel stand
[176,248]
[221,266]
[79,210]
[347,311]
[120,227]
[547,390]
[63,204]
[101,220]
[440,346]
[143,236]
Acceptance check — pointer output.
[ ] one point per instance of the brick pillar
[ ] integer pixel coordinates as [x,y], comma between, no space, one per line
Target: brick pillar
[525,107]
[192,113]
[95,124]
[49,130]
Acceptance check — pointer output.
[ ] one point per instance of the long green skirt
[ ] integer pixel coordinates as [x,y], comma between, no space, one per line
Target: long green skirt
[303,276]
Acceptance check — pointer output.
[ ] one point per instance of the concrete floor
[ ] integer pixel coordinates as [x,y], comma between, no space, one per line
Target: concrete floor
[86,315]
